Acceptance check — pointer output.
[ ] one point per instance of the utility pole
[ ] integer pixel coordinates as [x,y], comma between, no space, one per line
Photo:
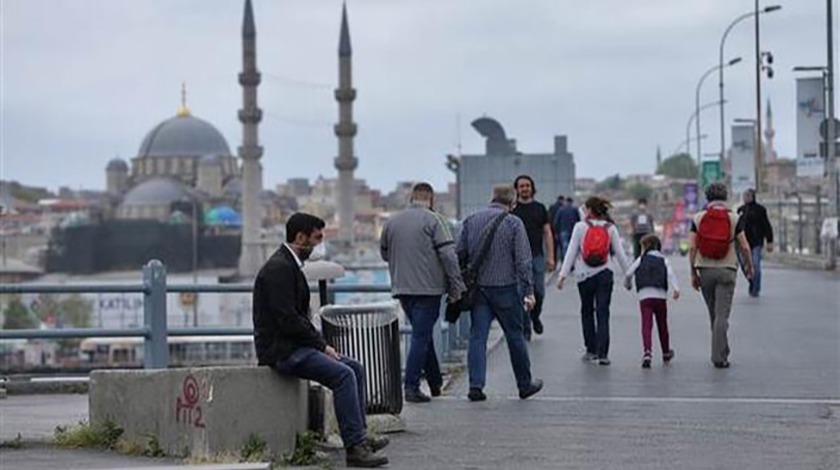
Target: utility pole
[759,161]
[831,164]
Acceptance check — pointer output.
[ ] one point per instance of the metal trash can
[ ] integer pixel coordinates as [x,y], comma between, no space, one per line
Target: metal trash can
[369,334]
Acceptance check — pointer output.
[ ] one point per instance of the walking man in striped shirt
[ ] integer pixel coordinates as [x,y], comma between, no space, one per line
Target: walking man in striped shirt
[504,273]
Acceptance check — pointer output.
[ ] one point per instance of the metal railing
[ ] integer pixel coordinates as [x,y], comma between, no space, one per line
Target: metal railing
[154,331]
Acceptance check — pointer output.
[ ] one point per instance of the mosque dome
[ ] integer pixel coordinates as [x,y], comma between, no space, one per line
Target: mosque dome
[156,192]
[117,164]
[183,135]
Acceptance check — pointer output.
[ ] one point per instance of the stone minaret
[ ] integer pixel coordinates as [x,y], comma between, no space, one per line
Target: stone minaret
[250,152]
[769,134]
[345,130]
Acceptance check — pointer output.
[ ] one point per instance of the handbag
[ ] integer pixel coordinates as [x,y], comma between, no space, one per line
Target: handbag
[469,273]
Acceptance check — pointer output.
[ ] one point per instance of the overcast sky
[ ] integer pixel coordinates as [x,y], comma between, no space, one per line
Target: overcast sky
[85,80]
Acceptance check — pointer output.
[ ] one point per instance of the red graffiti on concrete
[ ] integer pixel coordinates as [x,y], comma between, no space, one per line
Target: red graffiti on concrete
[187,410]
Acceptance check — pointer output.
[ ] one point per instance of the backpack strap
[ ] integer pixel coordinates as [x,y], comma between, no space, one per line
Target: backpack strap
[484,248]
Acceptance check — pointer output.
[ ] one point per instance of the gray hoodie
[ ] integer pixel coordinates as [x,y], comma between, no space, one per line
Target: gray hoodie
[420,250]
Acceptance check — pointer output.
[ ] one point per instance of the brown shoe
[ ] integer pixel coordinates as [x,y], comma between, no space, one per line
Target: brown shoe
[361,456]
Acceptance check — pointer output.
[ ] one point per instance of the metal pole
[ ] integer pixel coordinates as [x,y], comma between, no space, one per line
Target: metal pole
[759,163]
[834,193]
[195,258]
[155,349]
[799,221]
[818,221]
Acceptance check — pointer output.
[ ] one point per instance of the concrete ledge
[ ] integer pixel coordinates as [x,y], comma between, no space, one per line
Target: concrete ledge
[797,260]
[201,411]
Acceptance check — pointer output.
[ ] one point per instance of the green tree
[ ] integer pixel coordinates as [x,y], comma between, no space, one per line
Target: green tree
[680,165]
[17,317]
[640,191]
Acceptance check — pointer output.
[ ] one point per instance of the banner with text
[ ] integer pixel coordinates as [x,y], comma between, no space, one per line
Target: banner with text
[742,154]
[810,112]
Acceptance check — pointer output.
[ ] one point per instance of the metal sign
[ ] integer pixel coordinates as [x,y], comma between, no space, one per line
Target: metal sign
[743,158]
[810,112]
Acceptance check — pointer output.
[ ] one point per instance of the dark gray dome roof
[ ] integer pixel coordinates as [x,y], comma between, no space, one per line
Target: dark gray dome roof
[156,191]
[117,164]
[183,135]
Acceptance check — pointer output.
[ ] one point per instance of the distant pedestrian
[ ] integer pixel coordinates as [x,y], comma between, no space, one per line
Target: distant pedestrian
[552,210]
[714,265]
[757,228]
[642,224]
[541,242]
[286,340]
[595,241]
[653,277]
[420,251]
[504,275]
[564,224]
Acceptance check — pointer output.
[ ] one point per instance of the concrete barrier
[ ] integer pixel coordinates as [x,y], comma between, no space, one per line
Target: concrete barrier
[201,411]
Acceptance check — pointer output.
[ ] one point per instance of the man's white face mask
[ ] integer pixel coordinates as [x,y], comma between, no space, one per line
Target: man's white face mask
[318,253]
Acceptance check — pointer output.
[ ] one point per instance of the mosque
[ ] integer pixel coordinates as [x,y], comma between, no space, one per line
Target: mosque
[184,165]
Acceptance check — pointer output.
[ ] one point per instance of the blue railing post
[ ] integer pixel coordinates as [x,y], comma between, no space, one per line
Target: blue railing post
[155,350]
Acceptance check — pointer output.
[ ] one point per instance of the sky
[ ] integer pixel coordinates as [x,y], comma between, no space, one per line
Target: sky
[83,81]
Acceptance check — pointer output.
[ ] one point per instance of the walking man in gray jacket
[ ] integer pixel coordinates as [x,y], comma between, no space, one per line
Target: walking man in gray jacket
[420,251]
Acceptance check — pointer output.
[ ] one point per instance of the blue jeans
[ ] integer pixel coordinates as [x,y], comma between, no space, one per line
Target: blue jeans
[755,283]
[595,296]
[505,305]
[422,312]
[346,379]
[563,242]
[538,274]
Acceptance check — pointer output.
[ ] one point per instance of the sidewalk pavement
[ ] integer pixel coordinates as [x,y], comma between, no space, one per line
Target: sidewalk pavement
[778,407]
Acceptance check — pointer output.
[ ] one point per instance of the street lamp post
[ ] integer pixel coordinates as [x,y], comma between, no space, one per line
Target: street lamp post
[721,67]
[697,101]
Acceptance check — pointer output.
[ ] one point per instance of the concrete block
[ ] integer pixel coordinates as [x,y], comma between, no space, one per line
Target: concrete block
[201,411]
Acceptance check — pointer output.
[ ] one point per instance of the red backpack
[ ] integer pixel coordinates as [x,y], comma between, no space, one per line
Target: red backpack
[714,235]
[595,250]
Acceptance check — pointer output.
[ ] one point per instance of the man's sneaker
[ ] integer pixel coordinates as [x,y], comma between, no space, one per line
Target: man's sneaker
[668,356]
[435,390]
[538,326]
[377,442]
[604,361]
[589,357]
[362,456]
[646,361]
[531,390]
[416,396]
[476,395]
[722,365]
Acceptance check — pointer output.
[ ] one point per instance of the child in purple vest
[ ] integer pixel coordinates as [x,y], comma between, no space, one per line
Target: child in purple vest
[654,277]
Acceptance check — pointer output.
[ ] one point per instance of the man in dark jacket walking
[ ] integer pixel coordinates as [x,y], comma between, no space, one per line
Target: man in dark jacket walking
[286,340]
[757,228]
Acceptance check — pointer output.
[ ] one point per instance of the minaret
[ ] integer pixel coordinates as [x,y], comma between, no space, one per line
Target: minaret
[345,130]
[250,259]
[658,158]
[769,134]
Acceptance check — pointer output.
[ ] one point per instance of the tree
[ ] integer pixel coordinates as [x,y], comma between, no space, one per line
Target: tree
[640,191]
[17,316]
[680,165]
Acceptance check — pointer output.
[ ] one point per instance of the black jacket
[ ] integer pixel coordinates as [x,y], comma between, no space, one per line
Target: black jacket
[755,224]
[281,313]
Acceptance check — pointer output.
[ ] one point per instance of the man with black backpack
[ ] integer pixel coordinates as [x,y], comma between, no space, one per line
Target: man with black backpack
[715,233]
[504,271]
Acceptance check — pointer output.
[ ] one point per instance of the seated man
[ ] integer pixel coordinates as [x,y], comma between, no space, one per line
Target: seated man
[286,340]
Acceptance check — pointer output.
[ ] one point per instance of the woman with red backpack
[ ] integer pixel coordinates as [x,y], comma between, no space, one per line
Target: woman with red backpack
[594,242]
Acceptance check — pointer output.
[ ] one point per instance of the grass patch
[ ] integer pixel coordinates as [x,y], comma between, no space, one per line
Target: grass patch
[306,447]
[255,449]
[83,434]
